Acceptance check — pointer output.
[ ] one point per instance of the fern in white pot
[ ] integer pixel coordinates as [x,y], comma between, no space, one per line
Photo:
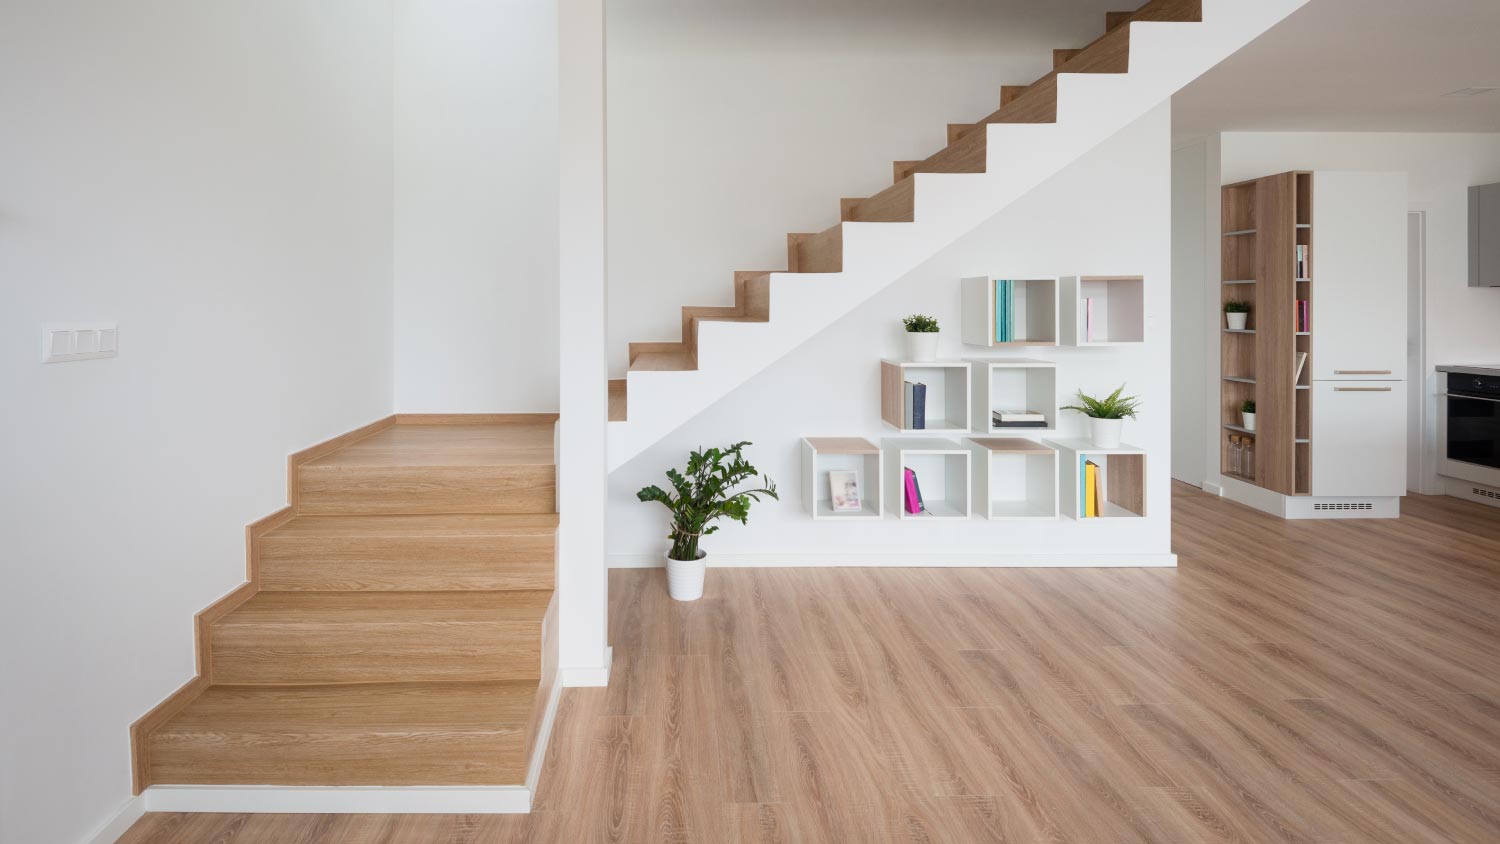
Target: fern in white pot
[1107,415]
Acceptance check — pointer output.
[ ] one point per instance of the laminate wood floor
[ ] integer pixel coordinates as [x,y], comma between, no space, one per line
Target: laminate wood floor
[1289,682]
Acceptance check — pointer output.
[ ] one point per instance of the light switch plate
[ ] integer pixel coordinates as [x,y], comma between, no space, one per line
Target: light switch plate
[79,341]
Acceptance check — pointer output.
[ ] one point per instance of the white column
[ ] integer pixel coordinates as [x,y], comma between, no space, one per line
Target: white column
[583,401]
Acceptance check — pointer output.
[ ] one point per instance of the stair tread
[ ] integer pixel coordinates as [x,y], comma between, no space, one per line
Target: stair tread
[405,527]
[311,608]
[522,442]
[662,362]
[360,707]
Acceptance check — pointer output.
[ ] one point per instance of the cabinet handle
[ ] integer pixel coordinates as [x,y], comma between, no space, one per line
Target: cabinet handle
[1361,372]
[1361,389]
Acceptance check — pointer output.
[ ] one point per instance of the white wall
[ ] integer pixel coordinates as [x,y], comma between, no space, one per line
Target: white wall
[216,176]
[476,206]
[1190,181]
[1107,214]
[732,124]
[1460,321]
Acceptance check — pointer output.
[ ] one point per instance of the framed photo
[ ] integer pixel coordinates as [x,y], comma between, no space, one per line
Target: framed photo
[843,491]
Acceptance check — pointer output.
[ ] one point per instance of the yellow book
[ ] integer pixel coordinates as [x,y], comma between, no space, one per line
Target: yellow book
[1090,489]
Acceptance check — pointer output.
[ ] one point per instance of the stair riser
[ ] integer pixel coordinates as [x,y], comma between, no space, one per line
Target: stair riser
[384,490]
[457,757]
[372,652]
[414,564]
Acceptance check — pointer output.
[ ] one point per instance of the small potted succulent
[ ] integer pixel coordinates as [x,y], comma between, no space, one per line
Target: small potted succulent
[1107,415]
[1247,414]
[704,493]
[921,337]
[1235,315]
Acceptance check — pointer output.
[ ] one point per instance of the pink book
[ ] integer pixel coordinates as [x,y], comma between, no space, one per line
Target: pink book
[911,493]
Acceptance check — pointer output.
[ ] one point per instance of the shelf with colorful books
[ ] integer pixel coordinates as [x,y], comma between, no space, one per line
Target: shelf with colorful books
[842,478]
[1103,310]
[1014,396]
[1001,312]
[928,479]
[925,397]
[1014,478]
[1101,483]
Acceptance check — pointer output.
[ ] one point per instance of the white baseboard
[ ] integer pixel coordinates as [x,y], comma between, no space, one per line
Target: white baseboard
[111,830]
[543,736]
[588,676]
[398,800]
[938,560]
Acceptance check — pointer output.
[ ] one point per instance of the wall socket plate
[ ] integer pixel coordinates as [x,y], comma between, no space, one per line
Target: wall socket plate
[79,341]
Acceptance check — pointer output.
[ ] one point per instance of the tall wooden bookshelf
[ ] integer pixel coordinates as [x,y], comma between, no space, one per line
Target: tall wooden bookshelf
[1264,221]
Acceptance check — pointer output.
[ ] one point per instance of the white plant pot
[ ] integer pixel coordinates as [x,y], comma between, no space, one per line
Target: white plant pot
[685,577]
[1249,420]
[1106,432]
[921,345]
[1236,321]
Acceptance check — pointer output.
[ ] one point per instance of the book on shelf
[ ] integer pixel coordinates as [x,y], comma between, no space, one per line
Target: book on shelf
[1303,266]
[914,414]
[1004,310]
[1090,489]
[1017,419]
[1301,361]
[1302,315]
[912,501]
[1088,319]
[843,491]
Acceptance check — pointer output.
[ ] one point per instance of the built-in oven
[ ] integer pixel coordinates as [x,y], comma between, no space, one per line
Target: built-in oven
[1472,413]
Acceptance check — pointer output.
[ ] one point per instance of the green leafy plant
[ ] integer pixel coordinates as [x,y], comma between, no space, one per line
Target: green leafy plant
[1236,307]
[1247,407]
[1114,406]
[706,492]
[920,324]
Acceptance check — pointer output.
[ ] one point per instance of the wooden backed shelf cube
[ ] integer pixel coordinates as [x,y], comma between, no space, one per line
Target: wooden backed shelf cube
[1014,478]
[1034,312]
[943,469]
[1119,310]
[821,455]
[1013,384]
[1122,479]
[947,394]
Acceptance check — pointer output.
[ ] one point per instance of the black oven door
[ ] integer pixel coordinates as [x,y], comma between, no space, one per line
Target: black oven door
[1474,429]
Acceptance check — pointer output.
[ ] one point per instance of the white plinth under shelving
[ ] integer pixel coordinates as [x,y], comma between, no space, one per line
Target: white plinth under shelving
[1119,310]
[943,475]
[1033,312]
[1013,384]
[1122,479]
[947,384]
[821,455]
[1014,478]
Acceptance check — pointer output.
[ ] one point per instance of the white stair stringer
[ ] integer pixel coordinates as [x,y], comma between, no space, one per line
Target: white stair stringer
[1091,107]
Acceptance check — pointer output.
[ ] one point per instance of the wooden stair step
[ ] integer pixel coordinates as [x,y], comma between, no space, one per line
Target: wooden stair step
[1010,93]
[901,169]
[1062,57]
[382,734]
[895,204]
[1114,20]
[822,252]
[284,638]
[675,361]
[426,553]
[617,400]
[958,130]
[428,469]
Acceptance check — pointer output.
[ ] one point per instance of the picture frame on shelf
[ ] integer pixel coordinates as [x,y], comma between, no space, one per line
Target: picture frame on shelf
[843,491]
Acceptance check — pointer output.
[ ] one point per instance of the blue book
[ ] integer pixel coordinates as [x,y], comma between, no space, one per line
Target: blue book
[918,406]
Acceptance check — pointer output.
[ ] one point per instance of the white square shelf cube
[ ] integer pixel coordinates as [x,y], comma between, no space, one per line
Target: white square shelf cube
[1122,479]
[943,476]
[1033,312]
[947,394]
[1014,478]
[821,455]
[1119,310]
[1013,384]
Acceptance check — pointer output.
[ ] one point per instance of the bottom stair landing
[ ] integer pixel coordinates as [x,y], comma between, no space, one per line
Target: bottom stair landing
[393,632]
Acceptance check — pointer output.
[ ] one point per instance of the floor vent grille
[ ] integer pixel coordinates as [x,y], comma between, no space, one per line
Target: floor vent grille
[1486,493]
[1361,505]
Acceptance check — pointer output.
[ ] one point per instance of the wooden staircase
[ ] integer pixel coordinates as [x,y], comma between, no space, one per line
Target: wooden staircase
[822,252]
[392,629]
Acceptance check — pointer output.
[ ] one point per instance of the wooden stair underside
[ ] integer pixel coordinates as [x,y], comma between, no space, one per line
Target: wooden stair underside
[391,632]
[822,252]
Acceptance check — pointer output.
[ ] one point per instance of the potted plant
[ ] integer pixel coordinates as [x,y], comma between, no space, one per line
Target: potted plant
[921,337]
[1247,413]
[703,494]
[1235,314]
[1107,415]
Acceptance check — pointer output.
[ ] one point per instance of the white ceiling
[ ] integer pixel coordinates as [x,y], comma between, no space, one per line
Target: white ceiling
[1356,66]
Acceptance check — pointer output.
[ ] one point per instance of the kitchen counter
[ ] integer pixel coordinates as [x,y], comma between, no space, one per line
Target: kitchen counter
[1464,369]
